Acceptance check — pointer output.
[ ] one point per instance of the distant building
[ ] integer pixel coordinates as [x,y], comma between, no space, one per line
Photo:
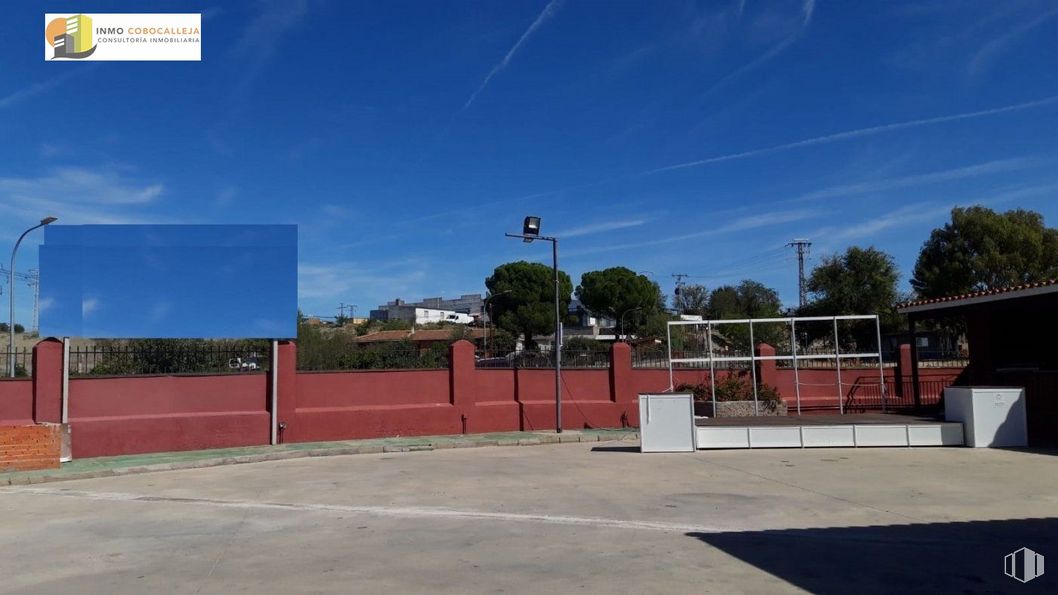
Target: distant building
[422,339]
[471,304]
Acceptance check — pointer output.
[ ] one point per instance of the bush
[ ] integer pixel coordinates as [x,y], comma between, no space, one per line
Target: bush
[732,387]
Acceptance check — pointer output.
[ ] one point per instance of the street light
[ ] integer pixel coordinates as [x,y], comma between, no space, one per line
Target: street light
[625,313]
[530,232]
[11,294]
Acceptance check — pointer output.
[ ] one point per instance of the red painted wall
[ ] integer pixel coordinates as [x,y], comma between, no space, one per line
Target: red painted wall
[16,402]
[125,415]
[373,403]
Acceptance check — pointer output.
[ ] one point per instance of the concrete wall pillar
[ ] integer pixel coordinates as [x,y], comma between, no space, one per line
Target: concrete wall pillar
[461,368]
[47,381]
[902,374]
[287,383]
[766,370]
[621,390]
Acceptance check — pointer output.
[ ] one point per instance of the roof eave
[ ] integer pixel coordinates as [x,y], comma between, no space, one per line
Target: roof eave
[980,299]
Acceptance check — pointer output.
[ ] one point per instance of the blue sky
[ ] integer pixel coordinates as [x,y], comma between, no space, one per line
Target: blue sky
[404,138]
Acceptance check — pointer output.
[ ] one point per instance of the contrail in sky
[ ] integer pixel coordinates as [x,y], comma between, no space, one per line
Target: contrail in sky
[544,15]
[859,132]
[807,9]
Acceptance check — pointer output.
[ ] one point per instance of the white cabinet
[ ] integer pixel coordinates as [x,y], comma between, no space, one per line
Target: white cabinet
[991,415]
[666,422]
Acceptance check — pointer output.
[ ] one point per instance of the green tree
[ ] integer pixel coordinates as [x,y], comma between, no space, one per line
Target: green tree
[980,248]
[4,327]
[525,294]
[620,294]
[748,299]
[691,299]
[860,281]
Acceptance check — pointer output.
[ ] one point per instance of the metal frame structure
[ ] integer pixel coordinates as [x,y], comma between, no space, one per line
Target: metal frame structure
[793,357]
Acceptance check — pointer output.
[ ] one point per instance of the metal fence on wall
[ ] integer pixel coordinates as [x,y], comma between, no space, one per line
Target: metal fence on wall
[381,356]
[596,357]
[170,357]
[23,357]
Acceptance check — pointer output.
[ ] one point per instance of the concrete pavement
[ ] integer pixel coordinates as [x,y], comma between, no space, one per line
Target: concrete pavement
[589,517]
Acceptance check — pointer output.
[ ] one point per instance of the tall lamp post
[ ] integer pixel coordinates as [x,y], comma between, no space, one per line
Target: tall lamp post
[530,232]
[11,294]
[626,313]
[491,323]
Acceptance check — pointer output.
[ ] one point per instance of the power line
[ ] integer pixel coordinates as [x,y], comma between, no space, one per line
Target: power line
[32,279]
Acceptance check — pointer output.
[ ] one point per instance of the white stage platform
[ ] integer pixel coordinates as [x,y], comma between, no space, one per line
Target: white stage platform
[821,431]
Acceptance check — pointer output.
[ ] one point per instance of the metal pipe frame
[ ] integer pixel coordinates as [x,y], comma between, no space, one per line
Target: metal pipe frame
[796,374]
[881,366]
[753,358]
[753,369]
[837,366]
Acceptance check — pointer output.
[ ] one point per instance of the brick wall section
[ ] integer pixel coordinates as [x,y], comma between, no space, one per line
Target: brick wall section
[27,448]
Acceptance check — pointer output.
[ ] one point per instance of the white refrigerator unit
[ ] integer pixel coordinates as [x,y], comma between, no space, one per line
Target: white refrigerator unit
[991,415]
[666,422]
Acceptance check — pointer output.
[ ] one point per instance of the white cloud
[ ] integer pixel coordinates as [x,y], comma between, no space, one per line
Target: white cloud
[78,195]
[948,175]
[593,228]
[30,91]
[807,9]
[318,282]
[160,311]
[88,307]
[988,52]
[745,223]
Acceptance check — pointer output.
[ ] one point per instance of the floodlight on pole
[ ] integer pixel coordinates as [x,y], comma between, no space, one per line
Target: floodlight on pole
[11,294]
[530,232]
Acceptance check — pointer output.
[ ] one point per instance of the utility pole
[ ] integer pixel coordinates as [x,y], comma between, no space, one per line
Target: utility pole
[802,246]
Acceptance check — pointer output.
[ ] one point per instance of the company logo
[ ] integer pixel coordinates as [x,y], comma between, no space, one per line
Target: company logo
[1023,565]
[144,36]
[70,37]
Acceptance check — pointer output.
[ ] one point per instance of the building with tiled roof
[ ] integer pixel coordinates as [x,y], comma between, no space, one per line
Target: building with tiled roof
[1013,341]
[978,297]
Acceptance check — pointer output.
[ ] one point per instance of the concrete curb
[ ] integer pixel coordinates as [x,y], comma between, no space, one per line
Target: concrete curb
[529,440]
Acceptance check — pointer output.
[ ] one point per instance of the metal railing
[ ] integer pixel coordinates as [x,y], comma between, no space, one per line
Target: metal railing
[23,357]
[170,357]
[654,356]
[865,394]
[571,358]
[383,356]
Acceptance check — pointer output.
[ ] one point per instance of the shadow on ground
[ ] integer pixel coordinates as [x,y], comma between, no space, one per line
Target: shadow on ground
[961,557]
[615,449]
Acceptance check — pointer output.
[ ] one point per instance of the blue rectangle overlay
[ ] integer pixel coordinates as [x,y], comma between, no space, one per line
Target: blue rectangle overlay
[169,281]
